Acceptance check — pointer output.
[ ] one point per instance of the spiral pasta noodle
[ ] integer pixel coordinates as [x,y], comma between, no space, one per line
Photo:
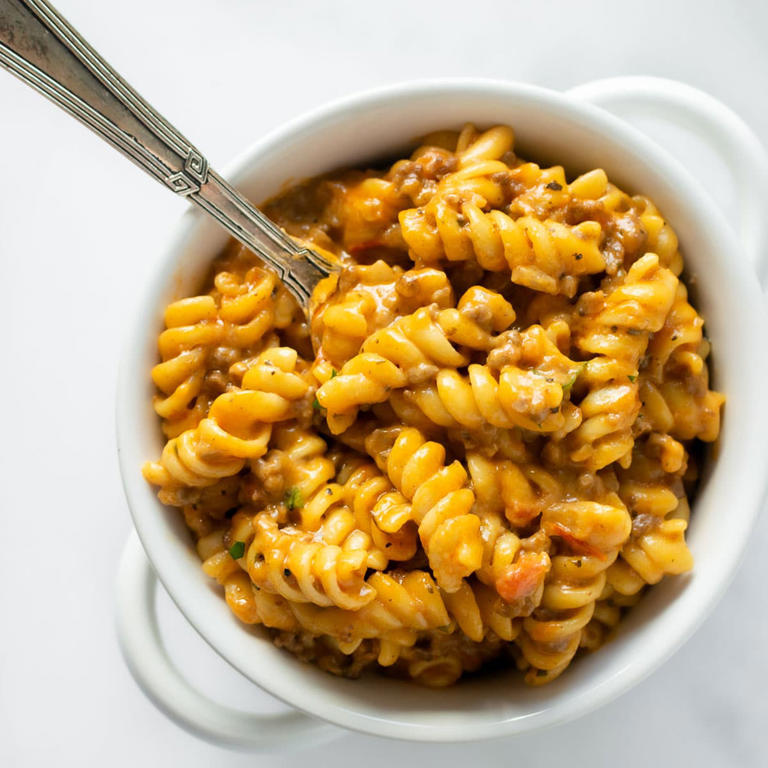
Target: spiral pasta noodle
[591,534]
[652,487]
[546,256]
[530,394]
[367,298]
[411,349]
[238,425]
[479,446]
[440,502]
[192,330]
[616,327]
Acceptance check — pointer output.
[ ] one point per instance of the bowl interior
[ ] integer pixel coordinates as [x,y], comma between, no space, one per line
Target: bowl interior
[550,128]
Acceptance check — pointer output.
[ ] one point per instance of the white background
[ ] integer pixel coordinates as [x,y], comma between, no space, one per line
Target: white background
[80,231]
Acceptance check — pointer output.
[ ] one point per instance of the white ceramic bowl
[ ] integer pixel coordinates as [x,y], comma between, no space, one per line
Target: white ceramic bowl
[550,127]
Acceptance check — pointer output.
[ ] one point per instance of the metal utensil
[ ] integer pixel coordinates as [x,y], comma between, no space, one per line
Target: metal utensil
[39,46]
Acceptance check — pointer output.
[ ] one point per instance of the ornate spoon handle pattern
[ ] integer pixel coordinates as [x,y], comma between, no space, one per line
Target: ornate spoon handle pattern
[40,47]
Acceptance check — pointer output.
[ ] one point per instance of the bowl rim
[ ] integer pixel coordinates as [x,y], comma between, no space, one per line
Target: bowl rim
[596,121]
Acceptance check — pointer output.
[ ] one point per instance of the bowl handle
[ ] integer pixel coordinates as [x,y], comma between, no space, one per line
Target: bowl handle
[156,675]
[723,130]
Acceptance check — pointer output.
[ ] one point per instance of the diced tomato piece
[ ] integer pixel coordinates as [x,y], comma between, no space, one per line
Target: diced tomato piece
[579,546]
[523,577]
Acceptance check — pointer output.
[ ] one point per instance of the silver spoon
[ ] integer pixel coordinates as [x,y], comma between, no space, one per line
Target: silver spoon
[39,46]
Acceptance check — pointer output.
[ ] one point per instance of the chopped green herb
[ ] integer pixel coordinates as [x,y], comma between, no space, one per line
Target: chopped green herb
[293,498]
[569,384]
[316,405]
[334,373]
[632,377]
[237,550]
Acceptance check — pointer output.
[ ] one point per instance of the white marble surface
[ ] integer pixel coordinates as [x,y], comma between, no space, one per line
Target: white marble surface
[79,233]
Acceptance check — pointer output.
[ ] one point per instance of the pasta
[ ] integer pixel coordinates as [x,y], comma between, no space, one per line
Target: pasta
[482,442]
[440,502]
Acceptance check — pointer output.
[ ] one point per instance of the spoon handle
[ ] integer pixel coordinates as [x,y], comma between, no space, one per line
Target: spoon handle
[39,46]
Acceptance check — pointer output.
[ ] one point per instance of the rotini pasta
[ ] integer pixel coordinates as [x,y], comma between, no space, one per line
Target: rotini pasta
[482,442]
[440,502]
[412,349]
